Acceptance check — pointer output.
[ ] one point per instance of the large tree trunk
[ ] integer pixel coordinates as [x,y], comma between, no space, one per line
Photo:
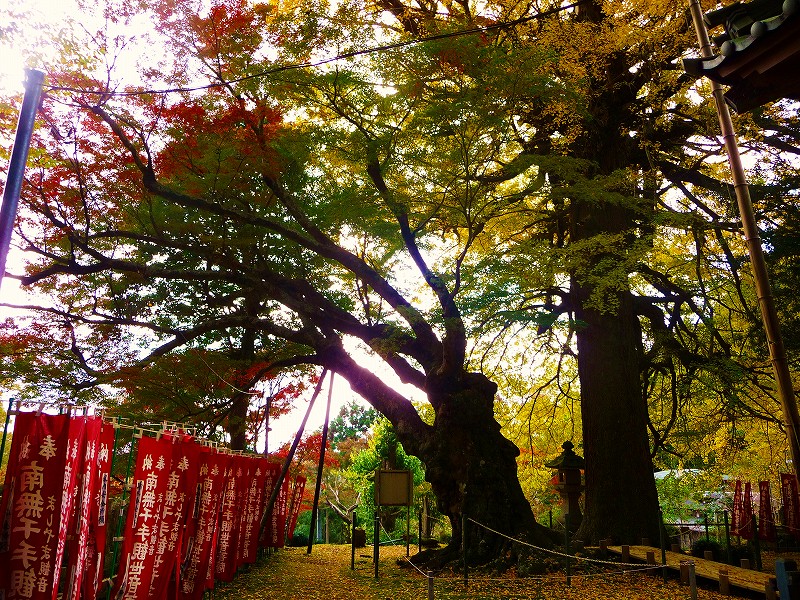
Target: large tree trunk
[621,501]
[472,469]
[237,421]
[621,498]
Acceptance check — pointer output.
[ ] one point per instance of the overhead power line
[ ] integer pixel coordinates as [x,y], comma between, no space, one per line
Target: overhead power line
[338,57]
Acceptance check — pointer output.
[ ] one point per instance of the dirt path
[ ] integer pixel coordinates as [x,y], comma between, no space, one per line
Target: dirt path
[291,574]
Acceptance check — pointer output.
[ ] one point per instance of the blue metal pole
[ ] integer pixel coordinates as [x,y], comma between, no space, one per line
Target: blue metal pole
[19,156]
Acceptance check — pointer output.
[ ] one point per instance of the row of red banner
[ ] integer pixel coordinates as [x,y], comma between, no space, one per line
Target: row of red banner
[742,515]
[193,515]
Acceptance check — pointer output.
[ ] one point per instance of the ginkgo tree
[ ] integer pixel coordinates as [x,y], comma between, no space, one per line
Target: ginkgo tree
[458,175]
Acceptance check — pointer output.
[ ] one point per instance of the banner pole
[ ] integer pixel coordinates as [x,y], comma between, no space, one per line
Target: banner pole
[115,425]
[120,523]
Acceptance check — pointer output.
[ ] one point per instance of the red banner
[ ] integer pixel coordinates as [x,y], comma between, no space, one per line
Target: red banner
[251,517]
[77,438]
[230,518]
[297,501]
[78,540]
[141,525]
[746,526]
[201,531]
[183,473]
[766,523]
[791,503]
[98,516]
[276,524]
[738,509]
[30,510]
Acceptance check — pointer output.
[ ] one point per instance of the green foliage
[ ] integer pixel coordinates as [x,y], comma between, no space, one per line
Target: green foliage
[353,421]
[384,449]
[687,495]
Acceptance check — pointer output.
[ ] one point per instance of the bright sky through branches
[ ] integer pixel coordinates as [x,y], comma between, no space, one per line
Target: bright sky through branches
[22,33]
[28,29]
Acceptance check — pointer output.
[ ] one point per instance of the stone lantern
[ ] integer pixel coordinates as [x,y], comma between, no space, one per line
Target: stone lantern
[569,484]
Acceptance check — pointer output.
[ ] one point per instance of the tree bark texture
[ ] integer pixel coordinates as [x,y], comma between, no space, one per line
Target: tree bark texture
[621,501]
[472,469]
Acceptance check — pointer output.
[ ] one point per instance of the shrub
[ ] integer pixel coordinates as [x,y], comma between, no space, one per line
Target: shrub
[700,546]
[299,540]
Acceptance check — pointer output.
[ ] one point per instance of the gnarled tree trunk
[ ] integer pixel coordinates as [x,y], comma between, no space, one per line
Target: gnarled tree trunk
[473,471]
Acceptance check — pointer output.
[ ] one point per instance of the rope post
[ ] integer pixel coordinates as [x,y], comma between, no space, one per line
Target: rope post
[756,543]
[727,535]
[724,582]
[353,543]
[408,530]
[464,546]
[661,531]
[692,580]
[429,575]
[566,549]
[376,541]
[419,532]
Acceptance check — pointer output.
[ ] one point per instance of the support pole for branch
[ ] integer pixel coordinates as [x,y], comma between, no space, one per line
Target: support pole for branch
[320,466]
[286,463]
[19,156]
[769,315]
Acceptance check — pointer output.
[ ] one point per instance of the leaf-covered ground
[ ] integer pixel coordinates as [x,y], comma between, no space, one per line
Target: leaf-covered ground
[291,574]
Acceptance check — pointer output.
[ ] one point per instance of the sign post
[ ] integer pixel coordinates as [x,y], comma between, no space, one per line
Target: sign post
[393,487]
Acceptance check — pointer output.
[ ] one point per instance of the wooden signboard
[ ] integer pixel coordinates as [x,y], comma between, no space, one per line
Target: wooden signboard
[394,487]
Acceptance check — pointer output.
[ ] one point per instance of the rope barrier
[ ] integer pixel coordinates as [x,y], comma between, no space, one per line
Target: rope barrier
[556,553]
[388,535]
[638,569]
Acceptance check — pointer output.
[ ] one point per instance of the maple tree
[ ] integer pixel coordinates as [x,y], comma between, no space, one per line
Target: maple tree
[430,206]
